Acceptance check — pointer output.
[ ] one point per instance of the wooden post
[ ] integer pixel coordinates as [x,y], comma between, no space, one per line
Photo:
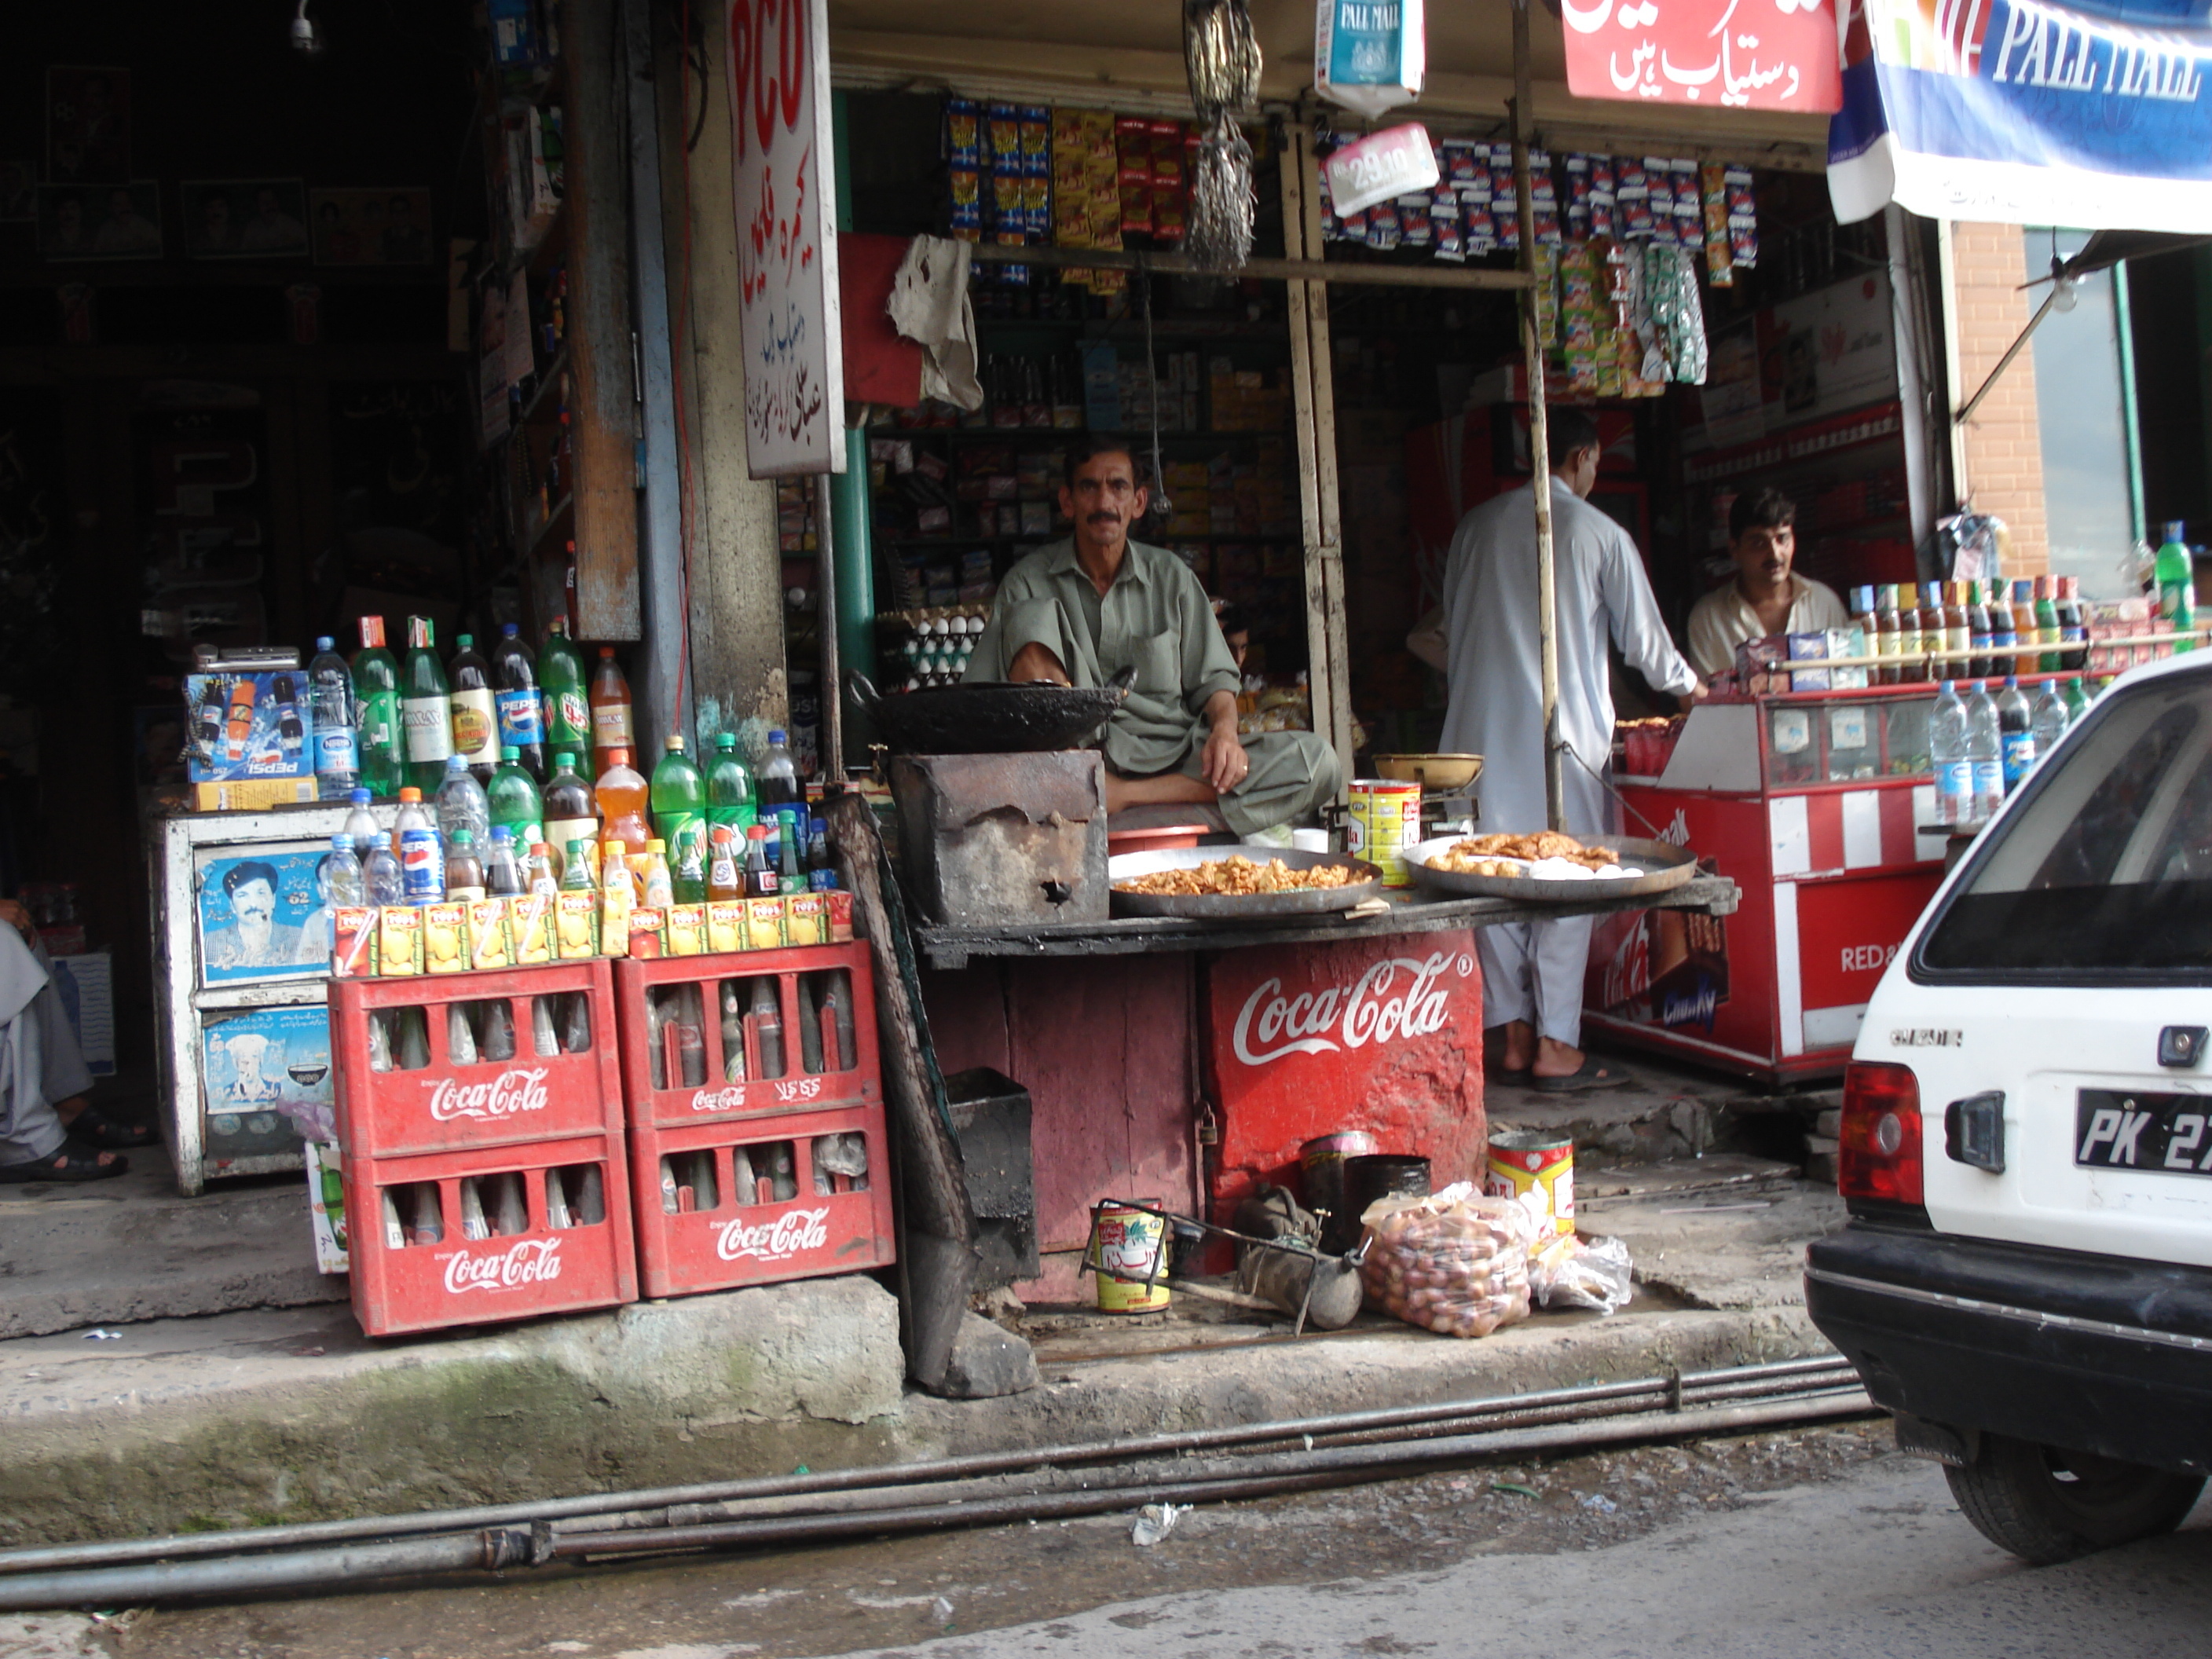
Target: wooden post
[1540,434]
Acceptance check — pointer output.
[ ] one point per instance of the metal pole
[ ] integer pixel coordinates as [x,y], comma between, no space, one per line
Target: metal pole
[832,700]
[1540,434]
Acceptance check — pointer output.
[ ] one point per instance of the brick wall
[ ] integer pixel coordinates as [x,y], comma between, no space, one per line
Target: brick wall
[2003,461]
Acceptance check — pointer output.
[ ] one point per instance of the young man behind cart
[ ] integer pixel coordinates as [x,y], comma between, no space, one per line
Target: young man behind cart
[1080,610]
[1765,596]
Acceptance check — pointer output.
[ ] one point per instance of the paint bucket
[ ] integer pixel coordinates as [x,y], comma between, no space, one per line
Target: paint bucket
[1320,1165]
[1366,1179]
[1131,1243]
[1538,1168]
[1384,820]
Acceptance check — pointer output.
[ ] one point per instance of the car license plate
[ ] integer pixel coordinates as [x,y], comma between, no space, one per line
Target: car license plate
[2118,1130]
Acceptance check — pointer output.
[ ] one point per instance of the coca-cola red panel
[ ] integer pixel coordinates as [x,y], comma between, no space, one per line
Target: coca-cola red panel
[1382,1035]
[432,1064]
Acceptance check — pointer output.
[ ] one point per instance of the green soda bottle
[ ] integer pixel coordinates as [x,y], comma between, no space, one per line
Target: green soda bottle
[730,789]
[679,817]
[425,709]
[2075,699]
[514,798]
[376,687]
[2176,584]
[561,679]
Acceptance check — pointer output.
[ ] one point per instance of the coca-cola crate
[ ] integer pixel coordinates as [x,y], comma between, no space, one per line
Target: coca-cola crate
[675,1064]
[409,1087]
[556,1225]
[694,1233]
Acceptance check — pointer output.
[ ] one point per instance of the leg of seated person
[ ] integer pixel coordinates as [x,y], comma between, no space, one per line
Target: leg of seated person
[1035,662]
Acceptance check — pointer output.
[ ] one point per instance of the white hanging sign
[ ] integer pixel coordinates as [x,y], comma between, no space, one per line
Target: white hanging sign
[1396,161]
[1369,55]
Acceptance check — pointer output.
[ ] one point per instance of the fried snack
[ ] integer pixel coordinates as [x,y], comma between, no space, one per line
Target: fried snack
[1238,876]
[1479,855]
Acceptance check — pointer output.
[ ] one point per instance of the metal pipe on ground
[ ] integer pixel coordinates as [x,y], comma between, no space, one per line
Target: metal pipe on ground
[38,1557]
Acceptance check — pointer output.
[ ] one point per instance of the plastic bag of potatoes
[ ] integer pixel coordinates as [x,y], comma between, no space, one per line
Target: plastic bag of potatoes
[1456,1262]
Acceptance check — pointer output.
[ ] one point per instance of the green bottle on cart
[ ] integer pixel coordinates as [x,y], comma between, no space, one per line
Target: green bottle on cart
[376,688]
[679,817]
[730,789]
[514,798]
[425,709]
[561,679]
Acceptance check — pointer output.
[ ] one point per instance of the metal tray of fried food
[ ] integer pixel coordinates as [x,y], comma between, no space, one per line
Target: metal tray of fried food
[1225,907]
[1665,866]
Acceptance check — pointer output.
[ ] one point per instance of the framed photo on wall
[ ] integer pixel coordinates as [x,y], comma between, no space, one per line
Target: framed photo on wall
[100,221]
[88,124]
[372,227]
[244,218]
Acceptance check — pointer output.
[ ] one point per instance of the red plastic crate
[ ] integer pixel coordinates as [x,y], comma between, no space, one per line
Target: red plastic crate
[712,1099]
[442,1107]
[729,1244]
[456,1280]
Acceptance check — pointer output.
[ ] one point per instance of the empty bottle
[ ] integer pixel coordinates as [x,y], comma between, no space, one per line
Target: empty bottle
[414,1040]
[744,1189]
[576,1027]
[475,711]
[497,1042]
[360,823]
[502,876]
[380,1042]
[766,1016]
[589,1204]
[520,703]
[2015,734]
[473,1224]
[512,1204]
[2047,719]
[426,707]
[429,1224]
[379,725]
[734,1034]
[778,783]
[838,1003]
[1985,749]
[556,1202]
[809,1028]
[395,1236]
[422,854]
[462,804]
[381,880]
[460,1035]
[329,695]
[543,1042]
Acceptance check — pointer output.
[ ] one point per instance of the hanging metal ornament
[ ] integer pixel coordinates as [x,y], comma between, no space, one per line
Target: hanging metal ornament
[1221,54]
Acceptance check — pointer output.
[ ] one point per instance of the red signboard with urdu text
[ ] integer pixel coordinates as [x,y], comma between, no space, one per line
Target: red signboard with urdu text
[1727,54]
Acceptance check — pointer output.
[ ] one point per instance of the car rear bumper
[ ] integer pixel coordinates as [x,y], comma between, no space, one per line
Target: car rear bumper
[2094,1353]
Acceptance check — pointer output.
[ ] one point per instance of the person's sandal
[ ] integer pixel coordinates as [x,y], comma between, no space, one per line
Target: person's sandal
[1589,1075]
[70,1163]
[93,1127]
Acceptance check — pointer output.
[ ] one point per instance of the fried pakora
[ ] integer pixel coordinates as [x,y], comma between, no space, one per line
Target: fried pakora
[1482,855]
[1238,876]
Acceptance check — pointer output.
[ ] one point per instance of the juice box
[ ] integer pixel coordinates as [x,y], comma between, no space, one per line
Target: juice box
[530,929]
[725,926]
[398,940]
[444,937]
[841,916]
[353,942]
[489,943]
[805,919]
[576,923]
[687,930]
[763,924]
[647,924]
[615,908]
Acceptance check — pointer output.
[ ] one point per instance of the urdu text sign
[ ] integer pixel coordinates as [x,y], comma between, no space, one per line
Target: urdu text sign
[1725,54]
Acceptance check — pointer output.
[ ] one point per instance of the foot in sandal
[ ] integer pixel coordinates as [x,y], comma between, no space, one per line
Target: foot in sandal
[70,1163]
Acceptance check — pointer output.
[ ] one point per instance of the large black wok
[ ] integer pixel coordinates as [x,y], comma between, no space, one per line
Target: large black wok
[990,717]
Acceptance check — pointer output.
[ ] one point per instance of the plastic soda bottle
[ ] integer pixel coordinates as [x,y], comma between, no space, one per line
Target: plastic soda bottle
[421,860]
[378,724]
[778,783]
[461,803]
[464,871]
[361,825]
[1986,749]
[2047,631]
[341,872]
[571,813]
[561,687]
[381,880]
[475,714]
[513,798]
[2047,718]
[516,695]
[610,711]
[730,788]
[760,881]
[679,817]
[426,707]
[2077,699]
[659,888]
[725,877]
[2017,733]
[2177,584]
[329,695]
[622,793]
[502,875]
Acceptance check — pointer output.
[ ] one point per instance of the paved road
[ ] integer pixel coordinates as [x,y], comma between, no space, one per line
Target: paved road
[1818,1542]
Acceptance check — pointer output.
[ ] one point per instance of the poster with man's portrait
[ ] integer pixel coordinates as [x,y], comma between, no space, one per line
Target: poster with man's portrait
[88,124]
[19,193]
[384,227]
[244,218]
[264,916]
[266,1072]
[100,221]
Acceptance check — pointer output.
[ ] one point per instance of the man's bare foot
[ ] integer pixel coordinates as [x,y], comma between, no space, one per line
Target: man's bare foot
[1556,1060]
[1167,786]
[1516,1050]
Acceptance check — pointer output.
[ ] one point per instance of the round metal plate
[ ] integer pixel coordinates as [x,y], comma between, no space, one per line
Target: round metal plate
[1222,906]
[1664,866]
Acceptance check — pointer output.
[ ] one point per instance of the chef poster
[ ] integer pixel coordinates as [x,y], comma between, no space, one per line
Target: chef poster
[266,1073]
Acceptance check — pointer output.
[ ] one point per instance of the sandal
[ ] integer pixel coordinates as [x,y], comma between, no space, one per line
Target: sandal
[93,1127]
[1512,1078]
[70,1163]
[1589,1075]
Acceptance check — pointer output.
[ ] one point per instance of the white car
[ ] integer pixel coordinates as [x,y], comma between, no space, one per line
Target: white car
[2026,1281]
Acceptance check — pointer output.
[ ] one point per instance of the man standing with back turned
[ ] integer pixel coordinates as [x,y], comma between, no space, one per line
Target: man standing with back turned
[1532,973]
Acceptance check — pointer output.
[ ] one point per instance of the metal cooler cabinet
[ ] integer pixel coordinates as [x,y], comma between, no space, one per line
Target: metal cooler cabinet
[1814,803]
[196,999]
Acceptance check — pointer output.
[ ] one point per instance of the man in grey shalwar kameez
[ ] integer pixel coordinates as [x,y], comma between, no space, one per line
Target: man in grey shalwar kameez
[1080,610]
[1532,974]
[40,1068]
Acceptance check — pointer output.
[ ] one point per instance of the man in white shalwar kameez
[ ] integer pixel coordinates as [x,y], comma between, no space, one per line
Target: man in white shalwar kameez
[1532,973]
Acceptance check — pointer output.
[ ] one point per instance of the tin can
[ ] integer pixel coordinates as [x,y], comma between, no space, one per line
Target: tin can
[1126,1240]
[1321,1161]
[1385,819]
[1538,1168]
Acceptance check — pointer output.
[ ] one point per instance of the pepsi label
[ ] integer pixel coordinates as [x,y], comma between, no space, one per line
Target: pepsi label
[521,719]
[421,867]
[2019,757]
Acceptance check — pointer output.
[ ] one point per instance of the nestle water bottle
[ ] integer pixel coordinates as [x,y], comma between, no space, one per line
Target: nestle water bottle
[1986,749]
[2017,733]
[2048,717]
[329,695]
[380,879]
[360,824]
[462,803]
[1946,749]
[342,872]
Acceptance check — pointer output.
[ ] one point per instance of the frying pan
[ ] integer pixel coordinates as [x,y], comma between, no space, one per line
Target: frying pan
[990,717]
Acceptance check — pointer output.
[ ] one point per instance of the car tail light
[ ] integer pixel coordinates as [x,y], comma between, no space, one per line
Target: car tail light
[1879,1152]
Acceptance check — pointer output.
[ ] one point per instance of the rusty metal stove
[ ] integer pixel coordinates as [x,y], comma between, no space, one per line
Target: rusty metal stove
[1000,840]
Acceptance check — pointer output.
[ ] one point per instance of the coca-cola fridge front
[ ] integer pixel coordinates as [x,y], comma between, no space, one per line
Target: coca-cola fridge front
[1819,805]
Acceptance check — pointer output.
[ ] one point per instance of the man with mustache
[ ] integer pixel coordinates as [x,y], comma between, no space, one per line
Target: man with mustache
[1078,612]
[1766,596]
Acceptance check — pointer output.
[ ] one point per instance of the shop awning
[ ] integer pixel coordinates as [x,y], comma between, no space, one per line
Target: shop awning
[2096,115]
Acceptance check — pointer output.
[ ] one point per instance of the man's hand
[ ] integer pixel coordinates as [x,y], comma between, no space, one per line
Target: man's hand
[1697,694]
[1033,662]
[20,918]
[1223,762]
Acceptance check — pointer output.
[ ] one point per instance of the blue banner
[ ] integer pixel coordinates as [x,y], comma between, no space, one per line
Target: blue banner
[2096,115]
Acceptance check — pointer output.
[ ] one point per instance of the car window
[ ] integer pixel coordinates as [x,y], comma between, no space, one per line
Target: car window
[2106,869]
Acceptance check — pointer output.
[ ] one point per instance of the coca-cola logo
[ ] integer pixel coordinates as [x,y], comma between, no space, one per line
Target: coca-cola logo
[504,1096]
[1373,1009]
[719,1100]
[773,1240]
[529,1262]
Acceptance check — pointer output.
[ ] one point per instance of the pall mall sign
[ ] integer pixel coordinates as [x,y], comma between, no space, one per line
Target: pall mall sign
[1382,1035]
[1725,54]
[782,173]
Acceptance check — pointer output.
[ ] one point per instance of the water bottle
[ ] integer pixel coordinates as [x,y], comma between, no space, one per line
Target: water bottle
[778,782]
[2048,719]
[422,851]
[329,695]
[1946,749]
[1986,750]
[342,872]
[462,803]
[360,824]
[2016,734]
[380,878]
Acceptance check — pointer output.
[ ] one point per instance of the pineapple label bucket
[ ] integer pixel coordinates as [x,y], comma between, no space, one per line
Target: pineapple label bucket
[1383,818]
[1132,1242]
[1538,1169]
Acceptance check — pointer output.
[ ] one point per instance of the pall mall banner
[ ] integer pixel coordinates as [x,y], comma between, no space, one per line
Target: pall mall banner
[2095,115]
